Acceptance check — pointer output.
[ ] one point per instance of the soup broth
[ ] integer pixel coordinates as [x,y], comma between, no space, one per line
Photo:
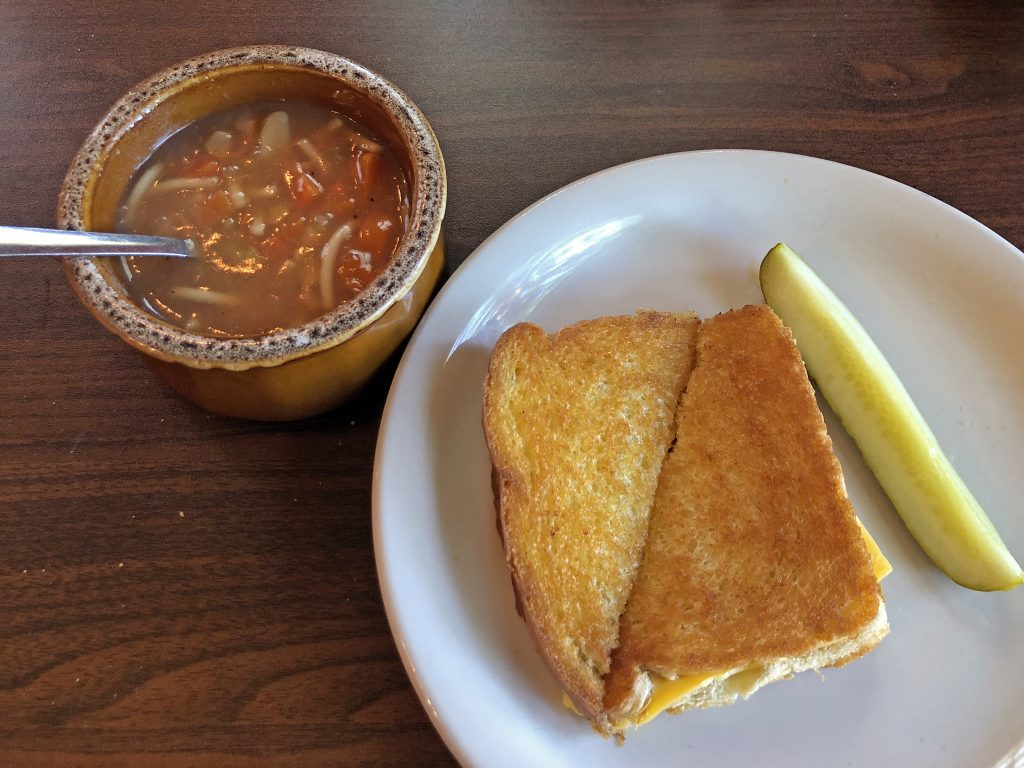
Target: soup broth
[293,209]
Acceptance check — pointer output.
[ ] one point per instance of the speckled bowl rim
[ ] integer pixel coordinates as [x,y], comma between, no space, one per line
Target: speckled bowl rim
[146,332]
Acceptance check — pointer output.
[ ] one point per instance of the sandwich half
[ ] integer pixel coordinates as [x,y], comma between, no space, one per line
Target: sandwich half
[578,425]
[755,566]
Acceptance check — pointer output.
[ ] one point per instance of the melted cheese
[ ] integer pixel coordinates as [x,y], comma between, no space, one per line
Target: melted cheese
[667,692]
[879,564]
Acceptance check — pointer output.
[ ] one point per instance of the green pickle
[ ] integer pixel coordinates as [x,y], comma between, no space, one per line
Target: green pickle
[874,407]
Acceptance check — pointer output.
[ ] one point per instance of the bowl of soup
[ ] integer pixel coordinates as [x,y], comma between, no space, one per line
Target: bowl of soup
[312,190]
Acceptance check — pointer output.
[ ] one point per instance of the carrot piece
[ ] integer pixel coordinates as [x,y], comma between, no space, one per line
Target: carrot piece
[199,163]
[375,240]
[303,188]
[368,166]
[336,198]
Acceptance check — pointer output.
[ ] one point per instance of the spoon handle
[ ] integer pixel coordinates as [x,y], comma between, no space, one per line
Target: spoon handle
[28,241]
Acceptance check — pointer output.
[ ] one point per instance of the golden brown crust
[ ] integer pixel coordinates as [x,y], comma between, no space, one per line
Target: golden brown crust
[578,425]
[754,551]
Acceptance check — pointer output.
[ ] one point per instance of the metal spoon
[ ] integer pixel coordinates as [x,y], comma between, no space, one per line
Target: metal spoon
[28,241]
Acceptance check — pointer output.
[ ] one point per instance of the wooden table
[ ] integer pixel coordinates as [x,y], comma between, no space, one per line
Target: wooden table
[179,589]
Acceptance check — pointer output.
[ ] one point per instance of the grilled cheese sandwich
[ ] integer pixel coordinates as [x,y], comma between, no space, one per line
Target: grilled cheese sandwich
[747,564]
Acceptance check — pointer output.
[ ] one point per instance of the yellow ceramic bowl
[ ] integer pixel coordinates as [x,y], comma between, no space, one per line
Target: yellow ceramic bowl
[297,372]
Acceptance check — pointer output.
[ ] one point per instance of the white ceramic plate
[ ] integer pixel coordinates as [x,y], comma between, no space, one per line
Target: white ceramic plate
[944,298]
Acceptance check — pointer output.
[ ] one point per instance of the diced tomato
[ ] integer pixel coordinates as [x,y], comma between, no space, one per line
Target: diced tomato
[303,188]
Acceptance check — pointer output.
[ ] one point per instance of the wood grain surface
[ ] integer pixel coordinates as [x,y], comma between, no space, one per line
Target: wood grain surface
[178,589]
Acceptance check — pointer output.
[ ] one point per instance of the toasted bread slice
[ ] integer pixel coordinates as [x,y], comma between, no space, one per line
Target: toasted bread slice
[755,567]
[578,425]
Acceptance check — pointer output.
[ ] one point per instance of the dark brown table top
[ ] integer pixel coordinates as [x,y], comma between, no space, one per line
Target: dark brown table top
[181,589]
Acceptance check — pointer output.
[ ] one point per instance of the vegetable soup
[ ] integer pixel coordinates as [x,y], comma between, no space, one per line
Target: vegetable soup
[293,209]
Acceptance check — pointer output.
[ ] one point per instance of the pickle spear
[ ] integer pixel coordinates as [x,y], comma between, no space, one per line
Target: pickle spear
[864,391]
